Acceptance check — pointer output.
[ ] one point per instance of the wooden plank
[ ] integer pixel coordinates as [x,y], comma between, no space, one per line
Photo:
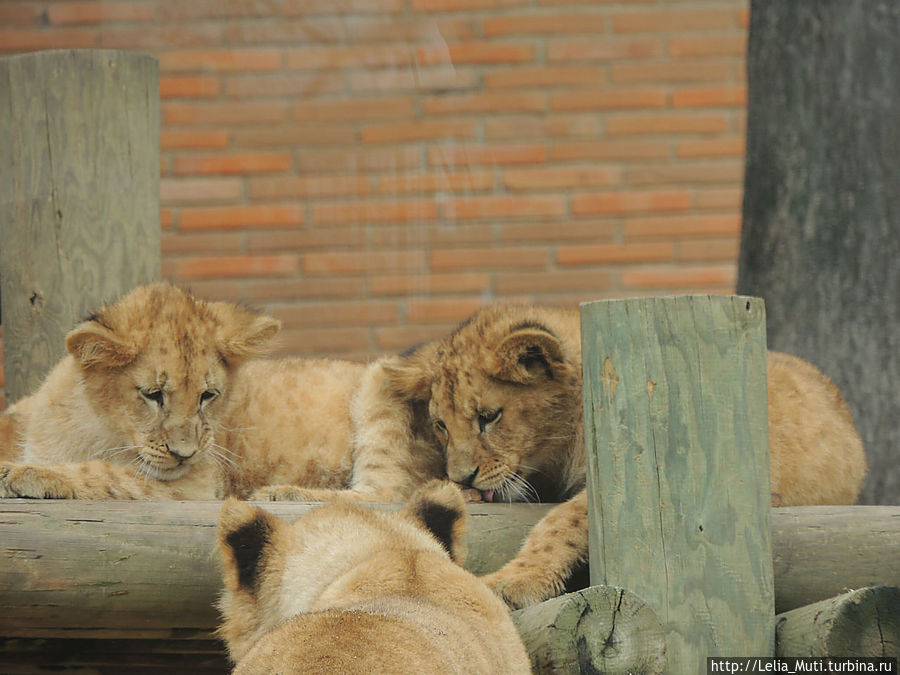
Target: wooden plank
[79,195]
[600,629]
[676,426]
[864,622]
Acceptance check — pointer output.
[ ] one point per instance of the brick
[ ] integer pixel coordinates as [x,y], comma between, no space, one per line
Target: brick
[260,162]
[672,71]
[682,225]
[363,262]
[464,5]
[705,97]
[221,60]
[336,313]
[188,87]
[631,202]
[213,267]
[429,284]
[203,243]
[219,113]
[540,127]
[484,153]
[614,253]
[282,86]
[489,53]
[609,99]
[20,13]
[304,239]
[607,49]
[622,150]
[719,198]
[666,123]
[435,234]
[294,187]
[176,140]
[422,182]
[441,310]
[560,76]
[166,219]
[31,39]
[554,231]
[353,109]
[680,277]
[553,23]
[331,7]
[406,79]
[186,190]
[353,161]
[553,282]
[323,341]
[400,338]
[490,258]
[414,30]
[296,134]
[215,9]
[248,216]
[554,178]
[504,207]
[99,12]
[419,131]
[482,103]
[684,173]
[708,250]
[673,20]
[349,213]
[156,37]
[714,147]
[709,45]
[340,57]
[312,288]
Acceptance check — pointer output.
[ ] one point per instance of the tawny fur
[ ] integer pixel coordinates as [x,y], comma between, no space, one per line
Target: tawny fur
[504,395]
[347,589]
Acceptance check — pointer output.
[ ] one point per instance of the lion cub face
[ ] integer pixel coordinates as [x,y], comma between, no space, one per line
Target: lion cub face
[156,366]
[501,397]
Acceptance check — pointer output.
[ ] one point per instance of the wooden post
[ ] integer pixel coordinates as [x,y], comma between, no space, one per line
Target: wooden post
[678,480]
[600,629]
[79,195]
[864,622]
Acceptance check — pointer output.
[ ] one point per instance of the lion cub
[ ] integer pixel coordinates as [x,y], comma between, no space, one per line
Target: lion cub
[348,589]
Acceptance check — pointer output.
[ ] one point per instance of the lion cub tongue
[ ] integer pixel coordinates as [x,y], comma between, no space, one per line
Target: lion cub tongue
[487,495]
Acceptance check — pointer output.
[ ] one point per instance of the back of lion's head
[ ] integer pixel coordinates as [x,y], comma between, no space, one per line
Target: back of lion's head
[501,392]
[156,366]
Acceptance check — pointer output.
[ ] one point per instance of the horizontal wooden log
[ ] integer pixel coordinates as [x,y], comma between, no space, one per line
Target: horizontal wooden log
[864,622]
[82,569]
[599,629]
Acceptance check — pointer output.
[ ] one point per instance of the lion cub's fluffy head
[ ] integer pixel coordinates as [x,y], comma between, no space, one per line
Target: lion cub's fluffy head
[503,391]
[347,588]
[155,367]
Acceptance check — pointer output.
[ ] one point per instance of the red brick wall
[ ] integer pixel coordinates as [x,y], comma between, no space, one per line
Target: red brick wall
[371,171]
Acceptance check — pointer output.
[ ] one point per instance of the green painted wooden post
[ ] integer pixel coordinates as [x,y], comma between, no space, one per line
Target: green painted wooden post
[79,195]
[676,431]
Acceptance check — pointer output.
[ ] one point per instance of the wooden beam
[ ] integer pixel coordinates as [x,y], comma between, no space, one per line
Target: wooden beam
[864,622]
[676,434]
[600,629]
[79,195]
[123,569]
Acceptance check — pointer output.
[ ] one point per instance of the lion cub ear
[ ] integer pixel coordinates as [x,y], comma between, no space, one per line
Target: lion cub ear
[96,345]
[527,355]
[244,533]
[409,375]
[243,335]
[439,507]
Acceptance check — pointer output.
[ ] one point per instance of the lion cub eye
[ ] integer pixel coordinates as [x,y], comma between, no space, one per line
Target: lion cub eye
[152,395]
[208,396]
[440,427]
[486,417]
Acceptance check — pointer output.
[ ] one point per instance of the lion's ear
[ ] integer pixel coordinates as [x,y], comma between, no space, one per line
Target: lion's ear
[409,375]
[244,533]
[527,355]
[438,506]
[243,335]
[96,345]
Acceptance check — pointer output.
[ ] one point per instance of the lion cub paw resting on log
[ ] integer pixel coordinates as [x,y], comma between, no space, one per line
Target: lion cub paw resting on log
[348,589]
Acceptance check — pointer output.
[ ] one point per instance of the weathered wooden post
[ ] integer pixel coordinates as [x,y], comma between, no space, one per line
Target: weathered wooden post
[676,420]
[79,195]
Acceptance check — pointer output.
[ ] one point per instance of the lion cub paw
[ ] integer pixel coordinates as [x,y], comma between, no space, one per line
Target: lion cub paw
[34,482]
[520,586]
[281,493]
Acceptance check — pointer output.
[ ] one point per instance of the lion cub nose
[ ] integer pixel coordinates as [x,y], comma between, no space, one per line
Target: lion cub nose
[180,453]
